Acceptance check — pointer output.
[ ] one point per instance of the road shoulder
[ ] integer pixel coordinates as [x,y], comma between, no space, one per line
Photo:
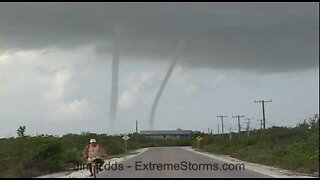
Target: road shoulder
[263,169]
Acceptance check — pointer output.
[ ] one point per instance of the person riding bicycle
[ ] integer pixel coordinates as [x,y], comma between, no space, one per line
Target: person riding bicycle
[93,153]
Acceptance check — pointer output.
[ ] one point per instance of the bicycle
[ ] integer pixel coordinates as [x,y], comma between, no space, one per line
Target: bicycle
[95,165]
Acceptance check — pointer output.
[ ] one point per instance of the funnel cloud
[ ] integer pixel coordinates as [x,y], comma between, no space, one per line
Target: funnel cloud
[177,53]
[115,74]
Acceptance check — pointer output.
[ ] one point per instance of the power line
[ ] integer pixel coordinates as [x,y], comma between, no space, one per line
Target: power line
[263,112]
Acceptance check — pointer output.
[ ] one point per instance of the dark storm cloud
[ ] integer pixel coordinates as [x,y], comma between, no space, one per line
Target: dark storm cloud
[261,37]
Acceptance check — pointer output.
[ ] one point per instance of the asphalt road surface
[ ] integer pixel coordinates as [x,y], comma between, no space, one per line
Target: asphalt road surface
[175,162]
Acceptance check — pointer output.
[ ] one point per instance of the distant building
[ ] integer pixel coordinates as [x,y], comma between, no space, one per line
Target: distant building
[169,134]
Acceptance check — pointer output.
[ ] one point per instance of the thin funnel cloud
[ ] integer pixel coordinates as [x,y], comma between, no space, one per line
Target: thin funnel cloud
[181,45]
[115,75]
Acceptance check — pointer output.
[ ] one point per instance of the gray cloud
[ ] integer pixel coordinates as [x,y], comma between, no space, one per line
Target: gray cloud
[259,37]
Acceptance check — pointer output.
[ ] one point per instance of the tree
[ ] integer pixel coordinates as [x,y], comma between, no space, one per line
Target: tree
[21,131]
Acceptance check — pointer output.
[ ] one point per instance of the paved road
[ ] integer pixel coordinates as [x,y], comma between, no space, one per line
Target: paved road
[165,159]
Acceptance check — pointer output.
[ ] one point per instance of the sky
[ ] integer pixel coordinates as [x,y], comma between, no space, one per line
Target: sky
[56,65]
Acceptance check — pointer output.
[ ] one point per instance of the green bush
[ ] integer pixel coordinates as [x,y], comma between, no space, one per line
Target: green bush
[34,156]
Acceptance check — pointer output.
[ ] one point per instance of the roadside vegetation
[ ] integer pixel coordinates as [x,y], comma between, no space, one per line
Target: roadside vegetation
[26,156]
[288,148]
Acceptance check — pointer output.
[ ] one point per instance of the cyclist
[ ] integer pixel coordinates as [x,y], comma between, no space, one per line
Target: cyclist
[93,153]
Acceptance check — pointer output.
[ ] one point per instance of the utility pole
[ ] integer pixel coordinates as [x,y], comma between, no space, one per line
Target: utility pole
[136,135]
[211,131]
[263,112]
[222,116]
[238,116]
[248,123]
[230,132]
[218,130]
[137,127]
[260,123]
